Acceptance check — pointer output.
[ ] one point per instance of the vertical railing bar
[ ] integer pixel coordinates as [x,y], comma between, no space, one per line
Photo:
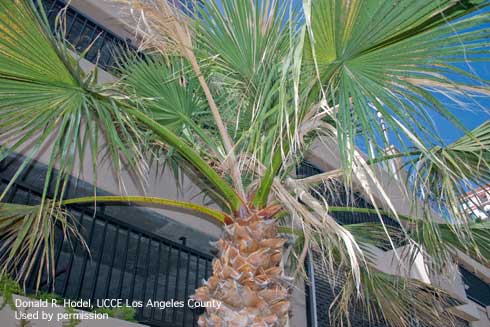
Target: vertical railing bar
[50,10]
[196,285]
[135,269]
[147,263]
[186,289]
[57,258]
[167,275]
[13,191]
[123,267]
[82,30]
[97,49]
[99,260]
[68,31]
[29,193]
[111,267]
[60,248]
[90,40]
[312,315]
[72,257]
[109,48]
[32,277]
[157,275]
[206,269]
[174,312]
[84,265]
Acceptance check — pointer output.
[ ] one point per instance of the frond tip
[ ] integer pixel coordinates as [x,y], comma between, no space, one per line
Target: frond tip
[398,301]
[160,25]
[27,239]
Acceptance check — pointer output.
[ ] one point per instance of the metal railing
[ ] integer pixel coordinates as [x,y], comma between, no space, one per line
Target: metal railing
[124,262]
[84,33]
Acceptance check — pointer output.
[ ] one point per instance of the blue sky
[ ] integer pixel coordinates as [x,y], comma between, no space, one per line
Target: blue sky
[474,113]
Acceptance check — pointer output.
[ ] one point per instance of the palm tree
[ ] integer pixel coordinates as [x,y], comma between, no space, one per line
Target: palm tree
[237,92]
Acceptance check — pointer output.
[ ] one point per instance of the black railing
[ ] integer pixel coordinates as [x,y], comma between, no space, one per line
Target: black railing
[83,33]
[320,298]
[124,262]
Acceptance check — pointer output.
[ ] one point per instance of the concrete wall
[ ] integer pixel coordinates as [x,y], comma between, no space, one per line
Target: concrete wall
[391,180]
[107,13]
[484,317]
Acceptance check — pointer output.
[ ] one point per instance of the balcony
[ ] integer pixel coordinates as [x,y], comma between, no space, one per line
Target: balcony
[126,260]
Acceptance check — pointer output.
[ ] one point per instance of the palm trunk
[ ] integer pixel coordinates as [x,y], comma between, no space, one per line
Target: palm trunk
[248,278]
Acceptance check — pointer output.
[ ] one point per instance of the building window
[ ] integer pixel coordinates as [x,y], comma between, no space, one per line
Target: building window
[476,289]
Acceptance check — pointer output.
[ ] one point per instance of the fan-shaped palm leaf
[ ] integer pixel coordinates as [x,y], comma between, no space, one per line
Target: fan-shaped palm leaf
[45,97]
[376,57]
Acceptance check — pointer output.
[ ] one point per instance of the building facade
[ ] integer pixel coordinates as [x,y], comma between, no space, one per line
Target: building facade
[476,203]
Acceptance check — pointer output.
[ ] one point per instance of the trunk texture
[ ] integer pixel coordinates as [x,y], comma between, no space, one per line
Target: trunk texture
[248,278]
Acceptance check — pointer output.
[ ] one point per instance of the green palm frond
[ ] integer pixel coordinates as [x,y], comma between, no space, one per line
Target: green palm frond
[375,234]
[380,296]
[249,50]
[444,174]
[440,178]
[435,239]
[27,234]
[216,216]
[28,231]
[244,48]
[238,93]
[479,248]
[378,57]
[242,45]
[170,93]
[45,99]
[245,34]
[439,241]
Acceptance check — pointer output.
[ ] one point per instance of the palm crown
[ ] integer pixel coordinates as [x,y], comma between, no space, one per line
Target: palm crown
[237,92]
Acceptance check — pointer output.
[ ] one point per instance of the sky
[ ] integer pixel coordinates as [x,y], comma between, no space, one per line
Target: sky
[475,111]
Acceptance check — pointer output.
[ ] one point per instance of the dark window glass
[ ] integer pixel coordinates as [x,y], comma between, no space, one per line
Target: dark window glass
[476,289]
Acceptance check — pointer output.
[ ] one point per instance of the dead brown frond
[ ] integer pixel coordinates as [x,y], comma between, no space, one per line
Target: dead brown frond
[159,26]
